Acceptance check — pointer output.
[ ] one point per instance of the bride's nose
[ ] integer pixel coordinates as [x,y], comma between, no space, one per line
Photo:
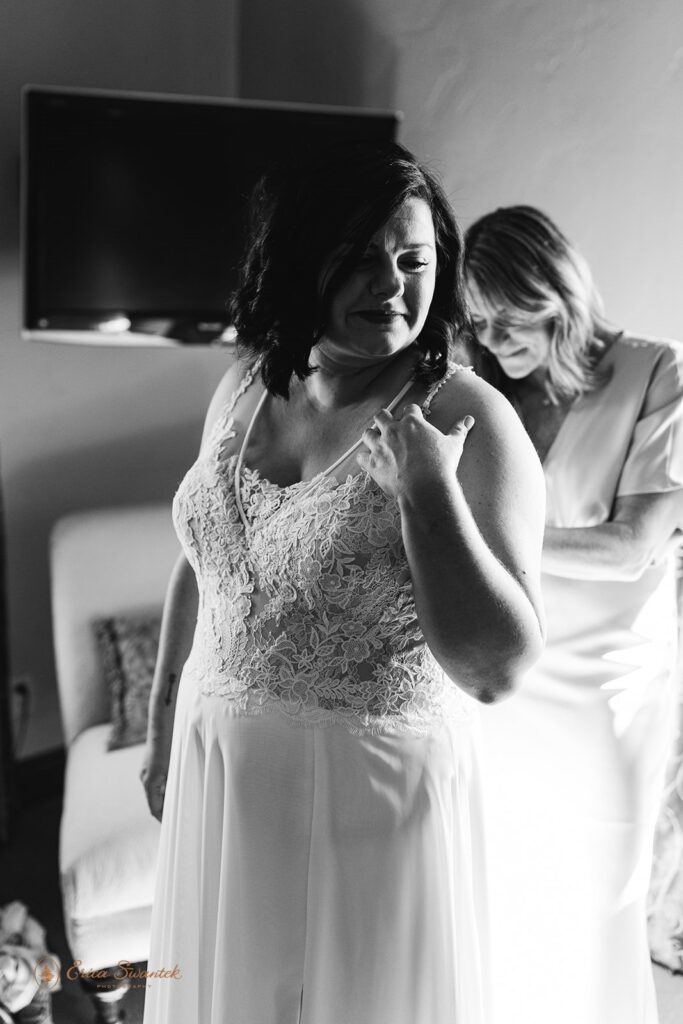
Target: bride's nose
[386,281]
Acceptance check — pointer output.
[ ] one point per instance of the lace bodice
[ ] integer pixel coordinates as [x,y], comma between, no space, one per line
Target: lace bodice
[306,601]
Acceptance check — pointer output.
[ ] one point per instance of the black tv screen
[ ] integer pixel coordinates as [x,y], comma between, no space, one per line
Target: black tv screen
[134,206]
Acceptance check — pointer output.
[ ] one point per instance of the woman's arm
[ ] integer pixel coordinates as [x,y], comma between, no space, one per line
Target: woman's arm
[638,533]
[175,641]
[473,541]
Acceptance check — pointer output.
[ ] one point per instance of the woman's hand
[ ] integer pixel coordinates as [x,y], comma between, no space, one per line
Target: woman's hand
[406,452]
[153,777]
[472,515]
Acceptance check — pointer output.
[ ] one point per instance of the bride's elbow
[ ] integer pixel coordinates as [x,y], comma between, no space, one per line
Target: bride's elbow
[495,688]
[503,686]
[495,673]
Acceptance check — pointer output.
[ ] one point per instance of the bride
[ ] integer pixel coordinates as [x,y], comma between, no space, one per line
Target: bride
[361,541]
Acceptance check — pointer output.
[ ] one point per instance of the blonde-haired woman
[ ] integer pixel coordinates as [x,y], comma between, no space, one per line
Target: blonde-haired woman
[577,760]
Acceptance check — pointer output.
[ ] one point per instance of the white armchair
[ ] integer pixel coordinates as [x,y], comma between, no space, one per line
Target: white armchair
[104,562]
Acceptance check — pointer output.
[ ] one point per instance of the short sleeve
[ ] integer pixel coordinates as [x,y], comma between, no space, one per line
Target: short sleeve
[654,461]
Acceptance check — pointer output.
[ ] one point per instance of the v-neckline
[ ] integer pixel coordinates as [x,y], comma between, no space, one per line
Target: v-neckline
[578,403]
[307,484]
[550,451]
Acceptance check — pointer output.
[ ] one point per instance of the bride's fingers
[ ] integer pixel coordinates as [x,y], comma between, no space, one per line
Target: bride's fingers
[412,409]
[382,419]
[370,436]
[462,427]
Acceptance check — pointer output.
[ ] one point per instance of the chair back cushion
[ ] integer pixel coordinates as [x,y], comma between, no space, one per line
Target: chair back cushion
[104,562]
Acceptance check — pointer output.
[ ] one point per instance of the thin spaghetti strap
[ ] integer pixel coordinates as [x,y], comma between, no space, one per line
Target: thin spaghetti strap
[226,412]
[392,405]
[245,382]
[239,465]
[453,368]
[240,458]
[404,391]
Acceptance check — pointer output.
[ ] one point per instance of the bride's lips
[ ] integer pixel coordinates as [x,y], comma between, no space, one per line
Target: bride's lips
[379,316]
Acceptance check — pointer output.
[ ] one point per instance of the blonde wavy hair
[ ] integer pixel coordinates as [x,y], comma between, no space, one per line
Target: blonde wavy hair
[527,273]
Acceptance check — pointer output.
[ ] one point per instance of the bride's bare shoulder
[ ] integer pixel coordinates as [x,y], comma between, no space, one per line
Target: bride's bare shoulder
[236,378]
[466,393]
[498,448]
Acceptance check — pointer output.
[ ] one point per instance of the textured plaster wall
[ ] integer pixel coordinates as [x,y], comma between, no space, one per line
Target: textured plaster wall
[81,427]
[575,107]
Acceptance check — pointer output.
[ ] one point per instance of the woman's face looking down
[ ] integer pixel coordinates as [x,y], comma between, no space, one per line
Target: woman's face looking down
[382,305]
[520,345]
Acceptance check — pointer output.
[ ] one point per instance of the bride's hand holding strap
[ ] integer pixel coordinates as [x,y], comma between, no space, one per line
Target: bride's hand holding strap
[406,451]
[472,504]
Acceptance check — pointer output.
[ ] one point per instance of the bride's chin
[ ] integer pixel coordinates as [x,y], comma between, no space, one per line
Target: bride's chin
[332,353]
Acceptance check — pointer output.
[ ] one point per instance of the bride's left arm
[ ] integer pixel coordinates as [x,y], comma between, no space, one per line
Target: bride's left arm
[472,538]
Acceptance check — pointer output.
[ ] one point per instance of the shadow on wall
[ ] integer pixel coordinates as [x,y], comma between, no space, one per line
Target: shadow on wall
[322,53]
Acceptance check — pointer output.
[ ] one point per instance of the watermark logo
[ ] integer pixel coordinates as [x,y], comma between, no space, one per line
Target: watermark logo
[124,974]
[48,972]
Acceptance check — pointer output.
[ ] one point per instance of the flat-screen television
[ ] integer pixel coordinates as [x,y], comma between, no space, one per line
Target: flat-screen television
[134,206]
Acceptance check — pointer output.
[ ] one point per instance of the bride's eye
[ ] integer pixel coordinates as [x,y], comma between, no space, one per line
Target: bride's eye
[414,264]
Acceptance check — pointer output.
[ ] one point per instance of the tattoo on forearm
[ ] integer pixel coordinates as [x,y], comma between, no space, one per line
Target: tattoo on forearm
[171,684]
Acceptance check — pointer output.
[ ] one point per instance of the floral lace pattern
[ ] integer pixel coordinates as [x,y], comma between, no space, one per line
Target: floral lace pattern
[308,608]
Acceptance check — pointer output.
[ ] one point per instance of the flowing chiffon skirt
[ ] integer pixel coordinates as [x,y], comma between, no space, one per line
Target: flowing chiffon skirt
[310,875]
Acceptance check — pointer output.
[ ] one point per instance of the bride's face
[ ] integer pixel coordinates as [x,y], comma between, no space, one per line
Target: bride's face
[382,306]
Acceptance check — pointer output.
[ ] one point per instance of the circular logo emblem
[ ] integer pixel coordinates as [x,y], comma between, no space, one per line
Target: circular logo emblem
[47,972]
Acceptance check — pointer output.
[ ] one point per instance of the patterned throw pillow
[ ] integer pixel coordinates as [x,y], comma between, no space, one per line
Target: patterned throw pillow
[128,649]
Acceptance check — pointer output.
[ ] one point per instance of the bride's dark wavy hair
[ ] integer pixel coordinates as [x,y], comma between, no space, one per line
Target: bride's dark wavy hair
[310,223]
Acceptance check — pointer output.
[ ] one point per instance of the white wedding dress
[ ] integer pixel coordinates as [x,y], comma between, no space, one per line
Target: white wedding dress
[321,854]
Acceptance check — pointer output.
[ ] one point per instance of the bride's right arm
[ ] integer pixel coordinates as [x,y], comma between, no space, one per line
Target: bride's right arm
[175,642]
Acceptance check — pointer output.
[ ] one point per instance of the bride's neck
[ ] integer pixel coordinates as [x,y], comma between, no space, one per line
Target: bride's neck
[331,386]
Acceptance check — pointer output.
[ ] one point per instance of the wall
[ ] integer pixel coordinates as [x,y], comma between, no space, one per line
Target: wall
[82,427]
[571,106]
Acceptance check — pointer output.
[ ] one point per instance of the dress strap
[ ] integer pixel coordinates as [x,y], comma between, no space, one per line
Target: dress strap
[226,412]
[240,458]
[453,368]
[245,383]
[392,405]
[239,465]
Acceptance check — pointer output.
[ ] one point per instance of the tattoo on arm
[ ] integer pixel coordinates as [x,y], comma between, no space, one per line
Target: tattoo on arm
[171,684]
